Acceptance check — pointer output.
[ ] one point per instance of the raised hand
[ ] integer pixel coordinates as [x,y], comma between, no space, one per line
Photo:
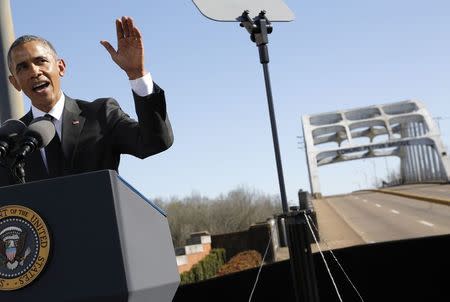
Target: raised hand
[130,48]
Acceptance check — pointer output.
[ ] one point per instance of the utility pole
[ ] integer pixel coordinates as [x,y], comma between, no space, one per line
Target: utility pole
[11,102]
[438,119]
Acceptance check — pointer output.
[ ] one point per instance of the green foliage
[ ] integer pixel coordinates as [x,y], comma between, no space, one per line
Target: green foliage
[205,268]
[187,277]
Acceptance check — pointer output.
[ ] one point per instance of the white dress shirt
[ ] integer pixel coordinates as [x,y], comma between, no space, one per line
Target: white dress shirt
[141,86]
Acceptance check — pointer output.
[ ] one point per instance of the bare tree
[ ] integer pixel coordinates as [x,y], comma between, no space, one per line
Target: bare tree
[233,212]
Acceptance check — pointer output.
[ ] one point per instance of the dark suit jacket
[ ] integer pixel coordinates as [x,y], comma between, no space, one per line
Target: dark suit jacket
[94,134]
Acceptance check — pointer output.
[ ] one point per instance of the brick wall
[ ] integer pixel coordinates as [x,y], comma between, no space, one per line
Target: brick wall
[198,246]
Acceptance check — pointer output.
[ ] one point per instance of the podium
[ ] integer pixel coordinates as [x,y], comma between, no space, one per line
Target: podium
[107,242]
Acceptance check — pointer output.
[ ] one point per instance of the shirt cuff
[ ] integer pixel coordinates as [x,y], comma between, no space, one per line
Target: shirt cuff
[142,86]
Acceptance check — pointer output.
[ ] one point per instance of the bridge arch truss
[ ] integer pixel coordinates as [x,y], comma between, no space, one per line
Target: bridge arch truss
[403,129]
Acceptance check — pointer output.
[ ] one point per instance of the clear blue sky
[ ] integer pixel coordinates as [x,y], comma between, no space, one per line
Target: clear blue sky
[335,55]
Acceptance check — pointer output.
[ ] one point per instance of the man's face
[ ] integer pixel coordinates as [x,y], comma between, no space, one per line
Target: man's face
[36,70]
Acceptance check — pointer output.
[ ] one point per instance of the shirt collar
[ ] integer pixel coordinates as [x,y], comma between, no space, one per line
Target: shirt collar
[56,111]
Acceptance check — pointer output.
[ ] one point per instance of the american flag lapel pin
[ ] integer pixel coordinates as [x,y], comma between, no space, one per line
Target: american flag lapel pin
[75,122]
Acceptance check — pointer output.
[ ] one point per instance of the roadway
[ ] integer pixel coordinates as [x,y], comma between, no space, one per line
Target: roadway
[369,217]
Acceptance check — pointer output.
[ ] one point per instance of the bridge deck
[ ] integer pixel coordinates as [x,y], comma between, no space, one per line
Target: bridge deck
[367,217]
[378,217]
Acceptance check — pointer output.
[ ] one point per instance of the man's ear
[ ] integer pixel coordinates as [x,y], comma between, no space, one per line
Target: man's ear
[13,82]
[61,67]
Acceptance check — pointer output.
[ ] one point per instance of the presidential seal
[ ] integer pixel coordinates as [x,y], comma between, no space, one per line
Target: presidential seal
[24,246]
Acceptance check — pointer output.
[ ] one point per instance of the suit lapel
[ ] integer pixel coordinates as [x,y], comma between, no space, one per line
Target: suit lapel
[72,125]
[27,118]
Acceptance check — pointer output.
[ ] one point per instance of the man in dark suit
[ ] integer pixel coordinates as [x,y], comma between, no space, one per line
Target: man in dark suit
[90,135]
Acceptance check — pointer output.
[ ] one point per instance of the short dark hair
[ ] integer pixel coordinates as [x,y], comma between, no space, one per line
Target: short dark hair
[24,39]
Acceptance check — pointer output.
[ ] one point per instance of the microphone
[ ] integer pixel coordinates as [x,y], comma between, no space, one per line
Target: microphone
[38,135]
[10,133]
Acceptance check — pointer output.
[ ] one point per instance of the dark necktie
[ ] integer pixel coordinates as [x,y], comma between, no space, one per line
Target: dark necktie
[54,154]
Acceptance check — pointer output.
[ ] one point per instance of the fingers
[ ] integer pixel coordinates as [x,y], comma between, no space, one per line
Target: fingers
[109,48]
[137,33]
[119,29]
[125,28]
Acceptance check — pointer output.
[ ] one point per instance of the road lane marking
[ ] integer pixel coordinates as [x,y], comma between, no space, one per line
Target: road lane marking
[365,200]
[426,223]
[395,212]
[378,205]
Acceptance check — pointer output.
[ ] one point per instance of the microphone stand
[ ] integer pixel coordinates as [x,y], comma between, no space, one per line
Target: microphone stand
[18,167]
[19,170]
[302,265]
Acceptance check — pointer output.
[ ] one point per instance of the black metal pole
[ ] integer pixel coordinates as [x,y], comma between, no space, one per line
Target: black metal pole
[276,144]
[302,264]
[259,29]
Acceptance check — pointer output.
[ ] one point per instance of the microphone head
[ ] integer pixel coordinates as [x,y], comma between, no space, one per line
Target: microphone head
[12,130]
[42,130]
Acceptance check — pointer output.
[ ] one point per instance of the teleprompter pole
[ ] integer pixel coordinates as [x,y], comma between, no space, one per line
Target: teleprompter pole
[259,29]
[302,264]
